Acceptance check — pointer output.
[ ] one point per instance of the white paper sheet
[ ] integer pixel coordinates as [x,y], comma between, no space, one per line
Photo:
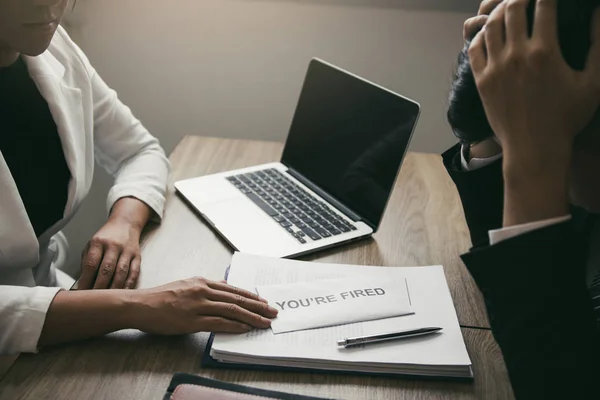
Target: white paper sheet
[308,305]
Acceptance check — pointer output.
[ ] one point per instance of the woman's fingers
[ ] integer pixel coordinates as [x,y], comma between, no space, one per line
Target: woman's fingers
[92,256]
[218,324]
[236,313]
[134,272]
[235,290]
[122,271]
[255,306]
[107,267]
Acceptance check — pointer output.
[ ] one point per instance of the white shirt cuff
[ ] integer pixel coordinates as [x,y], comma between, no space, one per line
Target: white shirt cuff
[498,235]
[23,314]
[475,163]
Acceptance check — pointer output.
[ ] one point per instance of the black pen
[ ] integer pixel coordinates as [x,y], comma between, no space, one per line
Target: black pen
[357,341]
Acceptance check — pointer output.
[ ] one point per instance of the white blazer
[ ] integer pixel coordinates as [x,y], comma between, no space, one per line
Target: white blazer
[92,124]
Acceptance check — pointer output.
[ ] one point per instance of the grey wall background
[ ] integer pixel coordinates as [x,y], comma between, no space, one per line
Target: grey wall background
[234,68]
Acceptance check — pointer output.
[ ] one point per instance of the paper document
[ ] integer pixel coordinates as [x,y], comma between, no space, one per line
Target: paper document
[434,355]
[333,302]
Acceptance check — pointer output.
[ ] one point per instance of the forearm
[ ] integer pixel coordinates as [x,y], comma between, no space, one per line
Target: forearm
[535,186]
[132,211]
[77,315]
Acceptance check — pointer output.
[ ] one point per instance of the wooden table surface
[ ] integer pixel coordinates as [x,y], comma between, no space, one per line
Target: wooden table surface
[423,225]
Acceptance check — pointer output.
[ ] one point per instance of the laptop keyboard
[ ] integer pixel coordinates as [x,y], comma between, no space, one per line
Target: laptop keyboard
[294,209]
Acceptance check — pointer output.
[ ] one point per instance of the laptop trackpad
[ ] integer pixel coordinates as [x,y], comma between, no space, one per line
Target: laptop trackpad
[245,225]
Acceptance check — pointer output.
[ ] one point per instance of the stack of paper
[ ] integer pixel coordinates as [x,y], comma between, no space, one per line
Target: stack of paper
[438,355]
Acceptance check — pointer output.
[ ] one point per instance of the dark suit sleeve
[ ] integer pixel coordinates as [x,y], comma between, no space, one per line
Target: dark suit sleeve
[481,193]
[536,297]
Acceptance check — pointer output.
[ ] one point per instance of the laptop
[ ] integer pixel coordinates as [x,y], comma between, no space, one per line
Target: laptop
[344,150]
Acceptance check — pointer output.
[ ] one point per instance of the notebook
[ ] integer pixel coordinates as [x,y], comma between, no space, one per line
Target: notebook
[436,356]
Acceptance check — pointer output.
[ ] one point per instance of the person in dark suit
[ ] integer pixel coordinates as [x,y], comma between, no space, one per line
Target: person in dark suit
[524,105]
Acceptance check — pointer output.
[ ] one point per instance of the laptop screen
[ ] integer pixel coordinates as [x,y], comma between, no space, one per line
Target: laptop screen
[349,137]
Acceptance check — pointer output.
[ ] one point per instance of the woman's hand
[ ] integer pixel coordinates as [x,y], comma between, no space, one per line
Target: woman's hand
[199,305]
[188,306]
[536,104]
[112,257]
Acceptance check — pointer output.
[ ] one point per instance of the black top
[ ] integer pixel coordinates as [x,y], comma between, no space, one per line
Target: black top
[32,149]
[535,291]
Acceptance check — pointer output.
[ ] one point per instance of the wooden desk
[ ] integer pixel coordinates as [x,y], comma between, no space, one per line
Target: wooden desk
[423,225]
